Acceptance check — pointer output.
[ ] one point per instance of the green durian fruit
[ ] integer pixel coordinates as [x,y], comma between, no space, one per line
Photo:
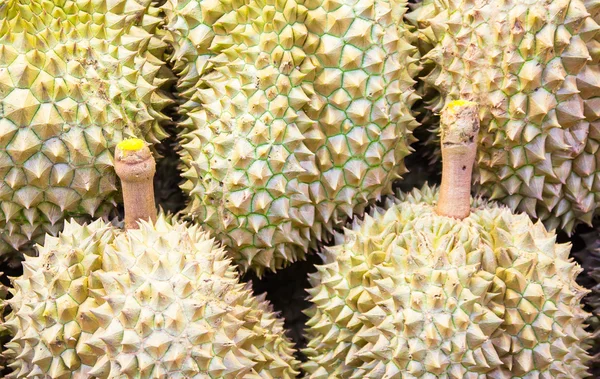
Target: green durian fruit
[162,301]
[297,115]
[76,77]
[412,293]
[533,67]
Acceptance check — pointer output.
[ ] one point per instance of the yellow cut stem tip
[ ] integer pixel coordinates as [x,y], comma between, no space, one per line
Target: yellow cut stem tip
[131,144]
[451,106]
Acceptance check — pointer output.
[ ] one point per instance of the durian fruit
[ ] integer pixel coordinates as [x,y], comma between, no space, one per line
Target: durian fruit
[533,67]
[589,255]
[297,115]
[159,301]
[433,286]
[76,77]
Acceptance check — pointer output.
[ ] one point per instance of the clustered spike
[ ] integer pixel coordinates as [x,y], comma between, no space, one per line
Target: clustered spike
[76,77]
[161,301]
[410,294]
[297,114]
[533,66]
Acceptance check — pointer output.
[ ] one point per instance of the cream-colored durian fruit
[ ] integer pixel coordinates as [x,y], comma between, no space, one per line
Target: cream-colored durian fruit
[432,286]
[533,67]
[158,301]
[76,77]
[297,115]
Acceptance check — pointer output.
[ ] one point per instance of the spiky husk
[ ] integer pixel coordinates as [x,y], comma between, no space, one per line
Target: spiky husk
[162,301]
[297,115]
[533,66]
[75,79]
[410,294]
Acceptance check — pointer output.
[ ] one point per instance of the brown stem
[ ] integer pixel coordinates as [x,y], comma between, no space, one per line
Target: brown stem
[135,166]
[459,125]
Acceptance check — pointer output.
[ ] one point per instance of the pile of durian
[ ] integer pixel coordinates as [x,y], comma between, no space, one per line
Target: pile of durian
[274,189]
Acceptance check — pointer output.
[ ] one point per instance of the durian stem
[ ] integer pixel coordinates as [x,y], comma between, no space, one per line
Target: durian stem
[459,127]
[135,166]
